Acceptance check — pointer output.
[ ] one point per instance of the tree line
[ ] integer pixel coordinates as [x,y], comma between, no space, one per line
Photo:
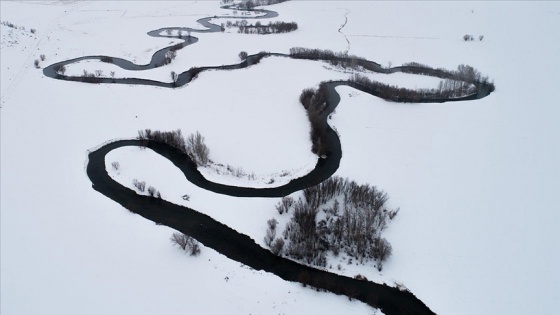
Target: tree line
[263,29]
[194,146]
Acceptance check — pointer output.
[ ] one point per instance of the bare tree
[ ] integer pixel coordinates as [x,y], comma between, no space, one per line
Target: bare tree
[381,251]
[174,77]
[198,149]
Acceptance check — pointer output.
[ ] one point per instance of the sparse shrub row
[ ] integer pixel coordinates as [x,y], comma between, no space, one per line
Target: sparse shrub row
[355,217]
[11,25]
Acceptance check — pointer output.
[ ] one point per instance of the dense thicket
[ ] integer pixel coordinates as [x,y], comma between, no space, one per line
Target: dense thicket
[353,219]
[314,101]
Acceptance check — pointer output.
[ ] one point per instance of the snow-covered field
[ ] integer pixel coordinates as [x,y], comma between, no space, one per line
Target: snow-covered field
[477,182]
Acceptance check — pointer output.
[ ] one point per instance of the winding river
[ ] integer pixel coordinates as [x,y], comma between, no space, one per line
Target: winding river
[214,234]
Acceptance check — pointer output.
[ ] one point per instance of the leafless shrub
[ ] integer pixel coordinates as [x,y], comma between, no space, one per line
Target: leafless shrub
[33,31]
[152,191]
[270,232]
[277,247]
[243,55]
[42,57]
[140,185]
[115,165]
[381,251]
[186,243]
[393,213]
[285,204]
[36,63]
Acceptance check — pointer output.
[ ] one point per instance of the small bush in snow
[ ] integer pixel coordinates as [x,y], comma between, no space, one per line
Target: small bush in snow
[42,57]
[186,243]
[36,63]
[270,232]
[243,55]
[285,204]
[140,185]
[115,165]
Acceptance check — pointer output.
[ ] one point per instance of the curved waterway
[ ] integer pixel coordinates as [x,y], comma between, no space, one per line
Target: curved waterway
[214,234]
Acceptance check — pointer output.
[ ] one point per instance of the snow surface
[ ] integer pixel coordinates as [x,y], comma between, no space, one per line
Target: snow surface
[477,182]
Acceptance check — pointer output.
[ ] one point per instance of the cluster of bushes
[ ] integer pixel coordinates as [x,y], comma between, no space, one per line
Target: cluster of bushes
[354,217]
[186,243]
[468,37]
[315,101]
[193,146]
[264,29]
[141,186]
[36,62]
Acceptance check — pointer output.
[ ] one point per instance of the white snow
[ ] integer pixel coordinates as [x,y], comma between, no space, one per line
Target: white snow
[477,182]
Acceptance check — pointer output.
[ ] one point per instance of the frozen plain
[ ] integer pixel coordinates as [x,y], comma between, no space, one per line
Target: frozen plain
[477,182]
